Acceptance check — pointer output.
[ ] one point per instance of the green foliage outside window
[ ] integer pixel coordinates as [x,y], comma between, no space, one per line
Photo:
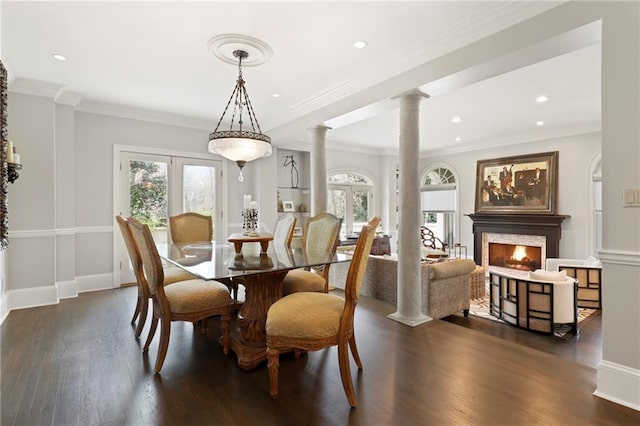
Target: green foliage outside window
[148,192]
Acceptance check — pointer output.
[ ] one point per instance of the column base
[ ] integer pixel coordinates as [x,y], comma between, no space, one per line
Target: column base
[411,322]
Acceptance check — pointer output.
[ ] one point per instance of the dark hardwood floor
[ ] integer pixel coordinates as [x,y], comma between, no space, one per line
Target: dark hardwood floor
[77,363]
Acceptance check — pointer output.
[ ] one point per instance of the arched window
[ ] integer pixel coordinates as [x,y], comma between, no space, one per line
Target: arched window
[439,204]
[349,196]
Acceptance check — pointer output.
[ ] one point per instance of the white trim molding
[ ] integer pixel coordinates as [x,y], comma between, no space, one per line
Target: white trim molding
[32,297]
[67,289]
[95,282]
[4,307]
[619,384]
[33,233]
[48,233]
[619,257]
[51,294]
[94,230]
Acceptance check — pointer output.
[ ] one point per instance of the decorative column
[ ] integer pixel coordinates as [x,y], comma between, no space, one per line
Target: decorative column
[409,284]
[318,170]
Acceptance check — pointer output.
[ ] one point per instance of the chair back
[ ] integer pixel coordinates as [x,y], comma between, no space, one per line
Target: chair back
[191,228]
[151,262]
[132,249]
[283,233]
[321,236]
[356,271]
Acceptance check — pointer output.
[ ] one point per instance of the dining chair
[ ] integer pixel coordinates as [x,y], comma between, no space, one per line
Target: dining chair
[190,228]
[283,233]
[171,275]
[312,321]
[192,300]
[321,236]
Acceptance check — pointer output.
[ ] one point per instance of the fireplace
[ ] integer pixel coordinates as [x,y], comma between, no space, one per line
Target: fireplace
[534,237]
[513,251]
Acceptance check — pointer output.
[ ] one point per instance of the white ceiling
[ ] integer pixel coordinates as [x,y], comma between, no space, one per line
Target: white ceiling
[155,56]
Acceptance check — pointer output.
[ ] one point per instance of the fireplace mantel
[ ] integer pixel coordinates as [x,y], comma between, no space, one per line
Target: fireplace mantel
[546,225]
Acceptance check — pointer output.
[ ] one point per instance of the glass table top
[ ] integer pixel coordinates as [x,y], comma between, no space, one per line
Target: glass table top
[211,261]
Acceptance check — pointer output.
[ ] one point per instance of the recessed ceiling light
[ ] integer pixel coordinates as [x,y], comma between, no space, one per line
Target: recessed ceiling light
[59,57]
[276,95]
[540,123]
[458,139]
[456,119]
[360,44]
[542,99]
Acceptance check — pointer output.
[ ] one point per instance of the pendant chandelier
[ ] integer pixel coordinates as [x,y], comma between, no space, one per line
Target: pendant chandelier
[240,145]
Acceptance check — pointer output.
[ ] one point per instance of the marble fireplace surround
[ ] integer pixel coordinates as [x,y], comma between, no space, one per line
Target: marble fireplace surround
[539,230]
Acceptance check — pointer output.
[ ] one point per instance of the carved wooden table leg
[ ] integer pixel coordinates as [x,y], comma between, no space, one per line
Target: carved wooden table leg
[262,290]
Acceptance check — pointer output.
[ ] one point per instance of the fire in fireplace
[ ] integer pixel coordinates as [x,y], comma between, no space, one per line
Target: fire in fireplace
[512,256]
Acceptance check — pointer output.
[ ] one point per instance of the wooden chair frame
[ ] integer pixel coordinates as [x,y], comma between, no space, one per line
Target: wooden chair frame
[345,337]
[161,310]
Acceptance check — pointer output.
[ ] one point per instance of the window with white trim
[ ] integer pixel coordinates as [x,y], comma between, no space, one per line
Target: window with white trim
[438,203]
[349,196]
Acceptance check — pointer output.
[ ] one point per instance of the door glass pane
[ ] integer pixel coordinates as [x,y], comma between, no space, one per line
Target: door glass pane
[148,196]
[337,205]
[199,190]
[360,209]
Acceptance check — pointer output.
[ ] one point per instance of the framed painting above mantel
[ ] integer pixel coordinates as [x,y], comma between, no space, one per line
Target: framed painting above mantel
[525,184]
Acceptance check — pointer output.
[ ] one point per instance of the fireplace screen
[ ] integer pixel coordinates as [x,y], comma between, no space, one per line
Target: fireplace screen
[523,258]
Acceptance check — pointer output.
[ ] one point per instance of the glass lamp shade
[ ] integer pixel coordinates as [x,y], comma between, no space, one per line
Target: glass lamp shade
[239,148]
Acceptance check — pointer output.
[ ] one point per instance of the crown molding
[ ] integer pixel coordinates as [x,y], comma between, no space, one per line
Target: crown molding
[28,86]
[123,111]
[8,64]
[68,97]
[498,18]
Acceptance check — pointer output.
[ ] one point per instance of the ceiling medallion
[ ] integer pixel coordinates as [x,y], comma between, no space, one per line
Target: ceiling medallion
[222,47]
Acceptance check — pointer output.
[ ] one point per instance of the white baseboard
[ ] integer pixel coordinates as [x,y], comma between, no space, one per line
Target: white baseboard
[95,282]
[32,297]
[51,294]
[618,383]
[67,289]
[4,308]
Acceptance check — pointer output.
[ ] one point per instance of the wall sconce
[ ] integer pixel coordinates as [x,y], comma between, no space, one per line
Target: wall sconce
[13,163]
[13,174]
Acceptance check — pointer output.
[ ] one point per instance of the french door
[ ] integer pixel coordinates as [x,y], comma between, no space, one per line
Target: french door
[351,203]
[152,187]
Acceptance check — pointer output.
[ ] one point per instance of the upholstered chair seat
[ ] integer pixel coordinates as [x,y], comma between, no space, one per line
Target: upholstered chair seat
[305,315]
[195,296]
[173,275]
[301,280]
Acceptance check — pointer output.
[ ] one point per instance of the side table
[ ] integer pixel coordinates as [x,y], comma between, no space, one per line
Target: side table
[477,283]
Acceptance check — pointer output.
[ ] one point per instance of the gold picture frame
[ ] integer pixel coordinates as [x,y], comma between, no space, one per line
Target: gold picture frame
[525,184]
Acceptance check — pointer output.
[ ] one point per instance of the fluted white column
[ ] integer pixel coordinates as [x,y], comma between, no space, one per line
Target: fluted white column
[409,288]
[318,170]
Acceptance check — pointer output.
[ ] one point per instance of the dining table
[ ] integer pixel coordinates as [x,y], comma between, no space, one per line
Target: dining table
[260,272]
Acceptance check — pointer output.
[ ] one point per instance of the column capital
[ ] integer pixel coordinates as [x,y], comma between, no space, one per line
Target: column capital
[413,93]
[319,128]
